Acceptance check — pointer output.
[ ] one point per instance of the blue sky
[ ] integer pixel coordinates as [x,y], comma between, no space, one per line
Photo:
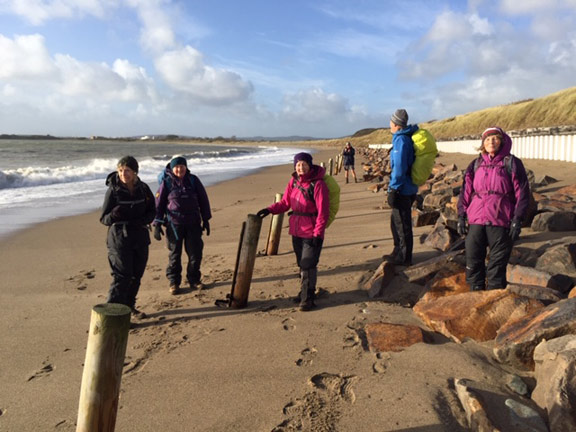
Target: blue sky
[321,68]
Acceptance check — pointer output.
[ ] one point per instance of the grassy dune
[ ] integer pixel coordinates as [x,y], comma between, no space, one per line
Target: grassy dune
[556,109]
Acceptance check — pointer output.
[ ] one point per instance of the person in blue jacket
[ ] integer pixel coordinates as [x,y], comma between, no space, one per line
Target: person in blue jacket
[401,191]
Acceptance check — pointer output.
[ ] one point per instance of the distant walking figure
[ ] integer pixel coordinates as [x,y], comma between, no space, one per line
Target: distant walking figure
[348,161]
[491,208]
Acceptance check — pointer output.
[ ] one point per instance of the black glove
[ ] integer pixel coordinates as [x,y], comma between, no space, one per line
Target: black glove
[392,197]
[119,213]
[206,227]
[158,232]
[316,242]
[263,213]
[515,229]
[462,226]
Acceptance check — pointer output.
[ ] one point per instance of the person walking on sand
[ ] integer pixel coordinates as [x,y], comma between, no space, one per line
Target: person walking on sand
[127,211]
[348,160]
[401,190]
[307,195]
[182,205]
[491,207]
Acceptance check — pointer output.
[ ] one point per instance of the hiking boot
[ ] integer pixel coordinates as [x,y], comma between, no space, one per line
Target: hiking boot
[174,289]
[346,181]
[307,305]
[393,259]
[197,285]
[138,314]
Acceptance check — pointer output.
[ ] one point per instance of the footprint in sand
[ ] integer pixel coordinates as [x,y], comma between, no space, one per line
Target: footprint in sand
[45,370]
[381,363]
[80,279]
[321,408]
[288,324]
[308,355]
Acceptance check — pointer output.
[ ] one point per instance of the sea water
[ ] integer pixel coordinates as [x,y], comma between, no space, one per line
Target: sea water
[46,179]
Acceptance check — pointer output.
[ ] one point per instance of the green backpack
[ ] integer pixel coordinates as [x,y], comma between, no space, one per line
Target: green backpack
[425,152]
[333,195]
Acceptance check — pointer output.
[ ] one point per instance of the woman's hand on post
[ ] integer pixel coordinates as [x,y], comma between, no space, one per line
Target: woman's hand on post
[263,213]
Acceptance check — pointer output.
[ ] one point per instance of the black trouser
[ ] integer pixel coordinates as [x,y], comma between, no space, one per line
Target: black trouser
[401,227]
[127,260]
[497,239]
[307,257]
[189,236]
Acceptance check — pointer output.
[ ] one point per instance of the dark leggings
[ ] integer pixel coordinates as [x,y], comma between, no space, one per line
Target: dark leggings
[493,274]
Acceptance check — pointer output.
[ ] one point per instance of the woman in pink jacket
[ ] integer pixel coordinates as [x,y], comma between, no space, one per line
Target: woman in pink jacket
[491,209]
[307,195]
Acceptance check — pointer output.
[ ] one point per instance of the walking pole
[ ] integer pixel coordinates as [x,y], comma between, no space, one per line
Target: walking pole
[275,230]
[245,263]
[107,340]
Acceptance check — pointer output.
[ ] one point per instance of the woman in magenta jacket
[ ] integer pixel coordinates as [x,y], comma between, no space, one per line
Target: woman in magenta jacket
[491,208]
[307,195]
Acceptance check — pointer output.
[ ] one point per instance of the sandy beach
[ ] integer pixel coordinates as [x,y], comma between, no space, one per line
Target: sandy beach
[191,366]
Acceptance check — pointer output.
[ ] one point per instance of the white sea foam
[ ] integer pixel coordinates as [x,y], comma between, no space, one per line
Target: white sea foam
[35,193]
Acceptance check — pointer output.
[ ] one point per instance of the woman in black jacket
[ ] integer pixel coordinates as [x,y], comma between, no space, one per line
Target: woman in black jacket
[128,210]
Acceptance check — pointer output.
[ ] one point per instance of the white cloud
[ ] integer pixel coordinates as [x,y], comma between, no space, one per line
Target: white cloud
[24,57]
[184,70]
[38,12]
[156,34]
[314,105]
[361,45]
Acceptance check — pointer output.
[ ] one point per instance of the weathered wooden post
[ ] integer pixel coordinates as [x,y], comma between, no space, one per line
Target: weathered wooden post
[275,230]
[330,166]
[340,162]
[107,340]
[322,164]
[245,262]
[337,165]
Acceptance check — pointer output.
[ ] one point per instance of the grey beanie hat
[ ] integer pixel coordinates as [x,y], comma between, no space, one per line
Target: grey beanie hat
[400,117]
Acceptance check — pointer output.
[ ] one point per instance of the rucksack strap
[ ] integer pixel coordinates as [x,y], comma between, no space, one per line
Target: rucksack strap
[308,193]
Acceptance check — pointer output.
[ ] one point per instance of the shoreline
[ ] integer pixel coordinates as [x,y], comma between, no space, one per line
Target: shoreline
[209,369]
[23,216]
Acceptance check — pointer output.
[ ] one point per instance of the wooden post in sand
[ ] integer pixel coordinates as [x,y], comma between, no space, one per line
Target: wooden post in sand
[275,230]
[330,166]
[337,165]
[340,161]
[107,340]
[245,262]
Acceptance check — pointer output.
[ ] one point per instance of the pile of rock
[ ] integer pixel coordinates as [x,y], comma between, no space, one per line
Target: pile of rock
[531,324]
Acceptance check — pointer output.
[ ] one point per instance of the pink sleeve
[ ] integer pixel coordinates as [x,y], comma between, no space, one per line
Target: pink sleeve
[284,204]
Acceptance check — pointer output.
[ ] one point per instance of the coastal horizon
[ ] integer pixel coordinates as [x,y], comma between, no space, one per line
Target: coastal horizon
[40,182]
